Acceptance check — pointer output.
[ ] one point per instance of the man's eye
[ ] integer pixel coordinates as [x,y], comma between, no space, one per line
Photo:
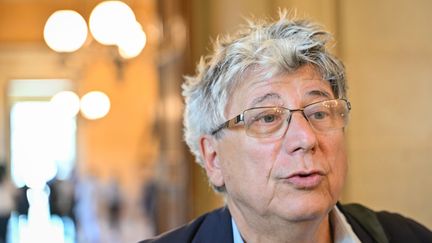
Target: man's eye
[264,117]
[319,115]
[268,118]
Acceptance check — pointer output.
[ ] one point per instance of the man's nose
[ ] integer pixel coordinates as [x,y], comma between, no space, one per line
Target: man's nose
[300,136]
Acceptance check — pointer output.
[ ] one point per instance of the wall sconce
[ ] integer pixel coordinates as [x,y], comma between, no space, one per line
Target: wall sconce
[111,23]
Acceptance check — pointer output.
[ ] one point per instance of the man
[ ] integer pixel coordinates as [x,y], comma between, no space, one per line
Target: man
[265,116]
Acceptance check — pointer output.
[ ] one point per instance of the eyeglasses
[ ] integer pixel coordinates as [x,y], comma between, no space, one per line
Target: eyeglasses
[269,122]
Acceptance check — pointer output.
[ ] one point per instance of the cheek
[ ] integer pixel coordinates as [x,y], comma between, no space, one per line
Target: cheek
[243,159]
[335,153]
[259,156]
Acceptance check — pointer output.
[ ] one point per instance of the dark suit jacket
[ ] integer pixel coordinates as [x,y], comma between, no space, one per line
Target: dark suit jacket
[215,227]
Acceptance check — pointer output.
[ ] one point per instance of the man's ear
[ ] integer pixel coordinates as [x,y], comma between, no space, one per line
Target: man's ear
[209,153]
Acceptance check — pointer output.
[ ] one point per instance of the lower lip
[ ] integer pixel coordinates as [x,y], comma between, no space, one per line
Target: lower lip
[305,182]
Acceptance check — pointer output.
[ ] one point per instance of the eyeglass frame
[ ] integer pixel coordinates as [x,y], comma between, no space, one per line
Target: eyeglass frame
[240,118]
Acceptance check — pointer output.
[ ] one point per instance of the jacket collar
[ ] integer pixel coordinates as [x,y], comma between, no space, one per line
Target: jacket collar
[216,228]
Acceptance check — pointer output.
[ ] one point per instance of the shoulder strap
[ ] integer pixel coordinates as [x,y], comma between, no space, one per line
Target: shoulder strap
[368,219]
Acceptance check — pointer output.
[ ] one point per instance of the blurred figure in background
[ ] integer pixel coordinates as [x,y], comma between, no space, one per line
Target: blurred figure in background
[62,198]
[87,209]
[148,202]
[21,202]
[114,200]
[7,203]
[113,208]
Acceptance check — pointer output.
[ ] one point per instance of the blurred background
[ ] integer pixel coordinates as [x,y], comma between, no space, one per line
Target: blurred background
[91,146]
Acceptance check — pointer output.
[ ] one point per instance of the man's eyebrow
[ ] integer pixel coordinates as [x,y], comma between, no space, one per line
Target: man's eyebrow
[265,97]
[319,93]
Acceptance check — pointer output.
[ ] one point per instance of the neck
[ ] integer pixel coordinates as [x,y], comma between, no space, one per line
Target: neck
[255,228]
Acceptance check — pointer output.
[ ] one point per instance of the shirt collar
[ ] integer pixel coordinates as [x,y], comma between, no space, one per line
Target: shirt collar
[342,231]
[236,234]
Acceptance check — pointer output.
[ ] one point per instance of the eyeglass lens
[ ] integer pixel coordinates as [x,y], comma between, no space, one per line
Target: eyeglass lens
[273,121]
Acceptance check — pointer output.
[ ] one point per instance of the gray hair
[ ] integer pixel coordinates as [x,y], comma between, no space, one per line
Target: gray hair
[265,49]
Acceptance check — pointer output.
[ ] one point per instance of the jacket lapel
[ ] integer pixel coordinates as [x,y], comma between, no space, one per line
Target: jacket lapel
[215,228]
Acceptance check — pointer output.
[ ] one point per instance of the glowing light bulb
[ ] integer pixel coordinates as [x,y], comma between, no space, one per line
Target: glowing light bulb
[65,31]
[66,103]
[133,41]
[108,20]
[95,105]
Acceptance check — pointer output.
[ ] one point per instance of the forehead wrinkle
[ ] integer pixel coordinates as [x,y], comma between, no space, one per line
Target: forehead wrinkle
[265,97]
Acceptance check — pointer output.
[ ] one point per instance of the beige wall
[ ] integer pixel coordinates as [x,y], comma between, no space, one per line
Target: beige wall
[388,53]
[386,46]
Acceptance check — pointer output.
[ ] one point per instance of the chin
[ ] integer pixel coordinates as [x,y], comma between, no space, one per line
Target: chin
[306,210]
[309,215]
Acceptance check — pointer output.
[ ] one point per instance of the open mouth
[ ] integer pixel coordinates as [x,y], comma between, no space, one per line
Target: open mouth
[305,180]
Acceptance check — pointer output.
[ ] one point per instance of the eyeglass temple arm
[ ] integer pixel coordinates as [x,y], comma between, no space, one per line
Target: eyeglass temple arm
[229,123]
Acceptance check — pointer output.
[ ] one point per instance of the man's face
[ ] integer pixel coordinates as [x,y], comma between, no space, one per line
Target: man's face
[296,177]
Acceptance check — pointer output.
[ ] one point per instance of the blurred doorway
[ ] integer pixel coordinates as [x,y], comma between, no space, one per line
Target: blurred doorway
[42,151]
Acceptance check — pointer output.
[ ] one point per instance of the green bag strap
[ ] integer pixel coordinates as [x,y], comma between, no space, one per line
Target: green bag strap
[368,219]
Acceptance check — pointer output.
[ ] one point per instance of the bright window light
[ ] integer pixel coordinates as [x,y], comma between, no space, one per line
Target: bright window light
[42,144]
